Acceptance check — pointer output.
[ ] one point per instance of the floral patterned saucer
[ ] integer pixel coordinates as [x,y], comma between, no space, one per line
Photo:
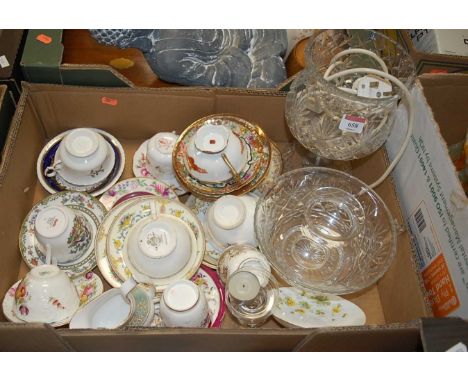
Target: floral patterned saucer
[141,169]
[210,283]
[116,243]
[86,205]
[88,286]
[134,187]
[47,156]
[275,170]
[257,166]
[200,207]
[305,309]
[100,250]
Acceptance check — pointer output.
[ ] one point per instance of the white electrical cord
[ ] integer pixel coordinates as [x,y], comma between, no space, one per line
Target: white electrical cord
[361,51]
[397,82]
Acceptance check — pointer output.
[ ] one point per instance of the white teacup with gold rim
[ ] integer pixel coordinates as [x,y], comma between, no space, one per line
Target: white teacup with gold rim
[230,220]
[63,232]
[158,247]
[215,154]
[183,304]
[46,295]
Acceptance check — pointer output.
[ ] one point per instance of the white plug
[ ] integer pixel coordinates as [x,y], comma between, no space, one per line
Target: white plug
[371,86]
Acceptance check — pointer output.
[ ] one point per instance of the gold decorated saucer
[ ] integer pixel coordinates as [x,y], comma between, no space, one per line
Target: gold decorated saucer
[251,136]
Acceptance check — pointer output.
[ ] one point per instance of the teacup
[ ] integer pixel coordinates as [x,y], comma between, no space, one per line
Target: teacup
[82,153]
[46,295]
[183,304]
[230,220]
[116,308]
[240,256]
[64,234]
[159,155]
[159,247]
[215,154]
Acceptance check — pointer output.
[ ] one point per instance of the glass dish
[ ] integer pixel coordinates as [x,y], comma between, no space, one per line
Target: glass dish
[325,230]
[251,295]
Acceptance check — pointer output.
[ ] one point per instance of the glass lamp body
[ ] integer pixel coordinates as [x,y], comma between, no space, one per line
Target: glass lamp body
[316,107]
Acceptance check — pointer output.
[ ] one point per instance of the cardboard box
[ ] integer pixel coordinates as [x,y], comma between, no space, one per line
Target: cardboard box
[391,305]
[441,41]
[11,46]
[42,62]
[431,62]
[433,200]
[7,109]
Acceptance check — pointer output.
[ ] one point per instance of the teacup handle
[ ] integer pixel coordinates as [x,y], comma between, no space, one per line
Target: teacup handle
[233,171]
[49,258]
[127,286]
[51,171]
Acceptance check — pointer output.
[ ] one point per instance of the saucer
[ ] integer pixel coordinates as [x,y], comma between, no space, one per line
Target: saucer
[82,203]
[252,137]
[93,178]
[116,243]
[47,157]
[134,187]
[88,286]
[200,207]
[144,309]
[209,282]
[141,169]
[297,308]
[275,170]
[100,250]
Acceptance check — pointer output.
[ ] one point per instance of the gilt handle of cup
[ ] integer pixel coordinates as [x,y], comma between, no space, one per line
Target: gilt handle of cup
[51,171]
[233,171]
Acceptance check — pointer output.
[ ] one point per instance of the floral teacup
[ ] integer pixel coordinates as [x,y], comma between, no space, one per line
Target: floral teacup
[215,154]
[159,155]
[46,295]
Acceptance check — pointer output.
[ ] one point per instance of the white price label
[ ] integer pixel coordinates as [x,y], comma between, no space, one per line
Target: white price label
[352,124]
[4,62]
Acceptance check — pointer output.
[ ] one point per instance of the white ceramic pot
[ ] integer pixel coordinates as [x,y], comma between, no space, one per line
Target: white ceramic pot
[111,310]
[183,304]
[207,152]
[159,155]
[236,257]
[159,247]
[46,295]
[230,220]
[63,232]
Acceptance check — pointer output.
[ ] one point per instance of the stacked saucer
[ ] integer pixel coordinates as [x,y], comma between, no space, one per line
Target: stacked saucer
[83,159]
[151,239]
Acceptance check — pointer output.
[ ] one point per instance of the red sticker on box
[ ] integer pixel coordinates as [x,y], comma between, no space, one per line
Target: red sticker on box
[109,101]
[352,123]
[44,39]
[438,71]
